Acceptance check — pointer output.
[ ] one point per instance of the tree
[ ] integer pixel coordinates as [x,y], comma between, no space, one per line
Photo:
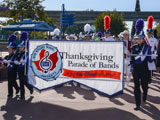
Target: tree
[158,28]
[22,9]
[133,30]
[75,29]
[51,21]
[117,25]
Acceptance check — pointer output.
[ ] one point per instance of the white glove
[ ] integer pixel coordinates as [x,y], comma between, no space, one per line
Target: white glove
[23,61]
[9,61]
[154,56]
[16,62]
[5,61]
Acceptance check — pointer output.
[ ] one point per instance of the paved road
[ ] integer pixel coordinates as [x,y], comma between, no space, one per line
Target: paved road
[75,103]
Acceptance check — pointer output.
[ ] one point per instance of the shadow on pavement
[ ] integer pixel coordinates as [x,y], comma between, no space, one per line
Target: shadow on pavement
[154,99]
[151,111]
[115,101]
[158,87]
[156,78]
[2,80]
[45,111]
[68,92]
[127,97]
[157,90]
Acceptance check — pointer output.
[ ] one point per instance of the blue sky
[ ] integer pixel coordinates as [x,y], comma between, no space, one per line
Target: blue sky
[102,5]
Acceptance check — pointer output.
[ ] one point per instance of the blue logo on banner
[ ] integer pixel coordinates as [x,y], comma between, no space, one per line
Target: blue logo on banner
[46,62]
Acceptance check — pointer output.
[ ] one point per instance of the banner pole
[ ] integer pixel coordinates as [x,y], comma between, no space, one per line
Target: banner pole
[127,77]
[25,66]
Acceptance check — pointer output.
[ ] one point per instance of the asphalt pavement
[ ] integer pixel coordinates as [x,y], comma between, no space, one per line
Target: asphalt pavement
[76,103]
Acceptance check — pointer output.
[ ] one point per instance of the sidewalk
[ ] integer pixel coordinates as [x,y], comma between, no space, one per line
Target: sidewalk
[75,103]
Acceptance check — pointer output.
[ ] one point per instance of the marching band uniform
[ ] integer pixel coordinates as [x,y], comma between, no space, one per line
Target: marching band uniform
[80,36]
[108,36]
[1,61]
[99,36]
[158,63]
[56,33]
[11,67]
[87,30]
[158,58]
[127,43]
[151,41]
[140,64]
[71,37]
[21,60]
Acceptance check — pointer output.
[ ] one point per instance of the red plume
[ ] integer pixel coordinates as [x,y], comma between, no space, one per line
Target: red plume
[107,21]
[150,22]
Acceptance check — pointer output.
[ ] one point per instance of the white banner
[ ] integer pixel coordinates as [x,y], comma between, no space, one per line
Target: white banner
[97,65]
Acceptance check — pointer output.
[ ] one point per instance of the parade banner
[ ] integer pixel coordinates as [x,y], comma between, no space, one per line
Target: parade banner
[97,65]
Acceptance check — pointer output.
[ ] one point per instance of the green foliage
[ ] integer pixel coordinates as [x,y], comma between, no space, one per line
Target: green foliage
[27,9]
[51,21]
[133,30]
[38,35]
[75,29]
[157,28]
[117,25]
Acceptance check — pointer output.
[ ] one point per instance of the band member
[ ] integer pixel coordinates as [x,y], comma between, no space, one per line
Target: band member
[99,36]
[127,42]
[56,34]
[71,37]
[116,37]
[12,68]
[87,30]
[21,61]
[63,37]
[158,63]
[108,36]
[151,41]
[141,56]
[80,36]
[1,61]
[158,57]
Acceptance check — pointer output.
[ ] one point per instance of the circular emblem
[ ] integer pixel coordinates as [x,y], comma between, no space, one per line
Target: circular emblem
[46,62]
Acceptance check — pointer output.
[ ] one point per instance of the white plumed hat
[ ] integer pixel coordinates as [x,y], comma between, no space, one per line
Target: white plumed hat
[87,30]
[56,32]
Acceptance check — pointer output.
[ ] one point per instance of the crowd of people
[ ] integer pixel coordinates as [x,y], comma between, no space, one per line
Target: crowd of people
[142,55]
